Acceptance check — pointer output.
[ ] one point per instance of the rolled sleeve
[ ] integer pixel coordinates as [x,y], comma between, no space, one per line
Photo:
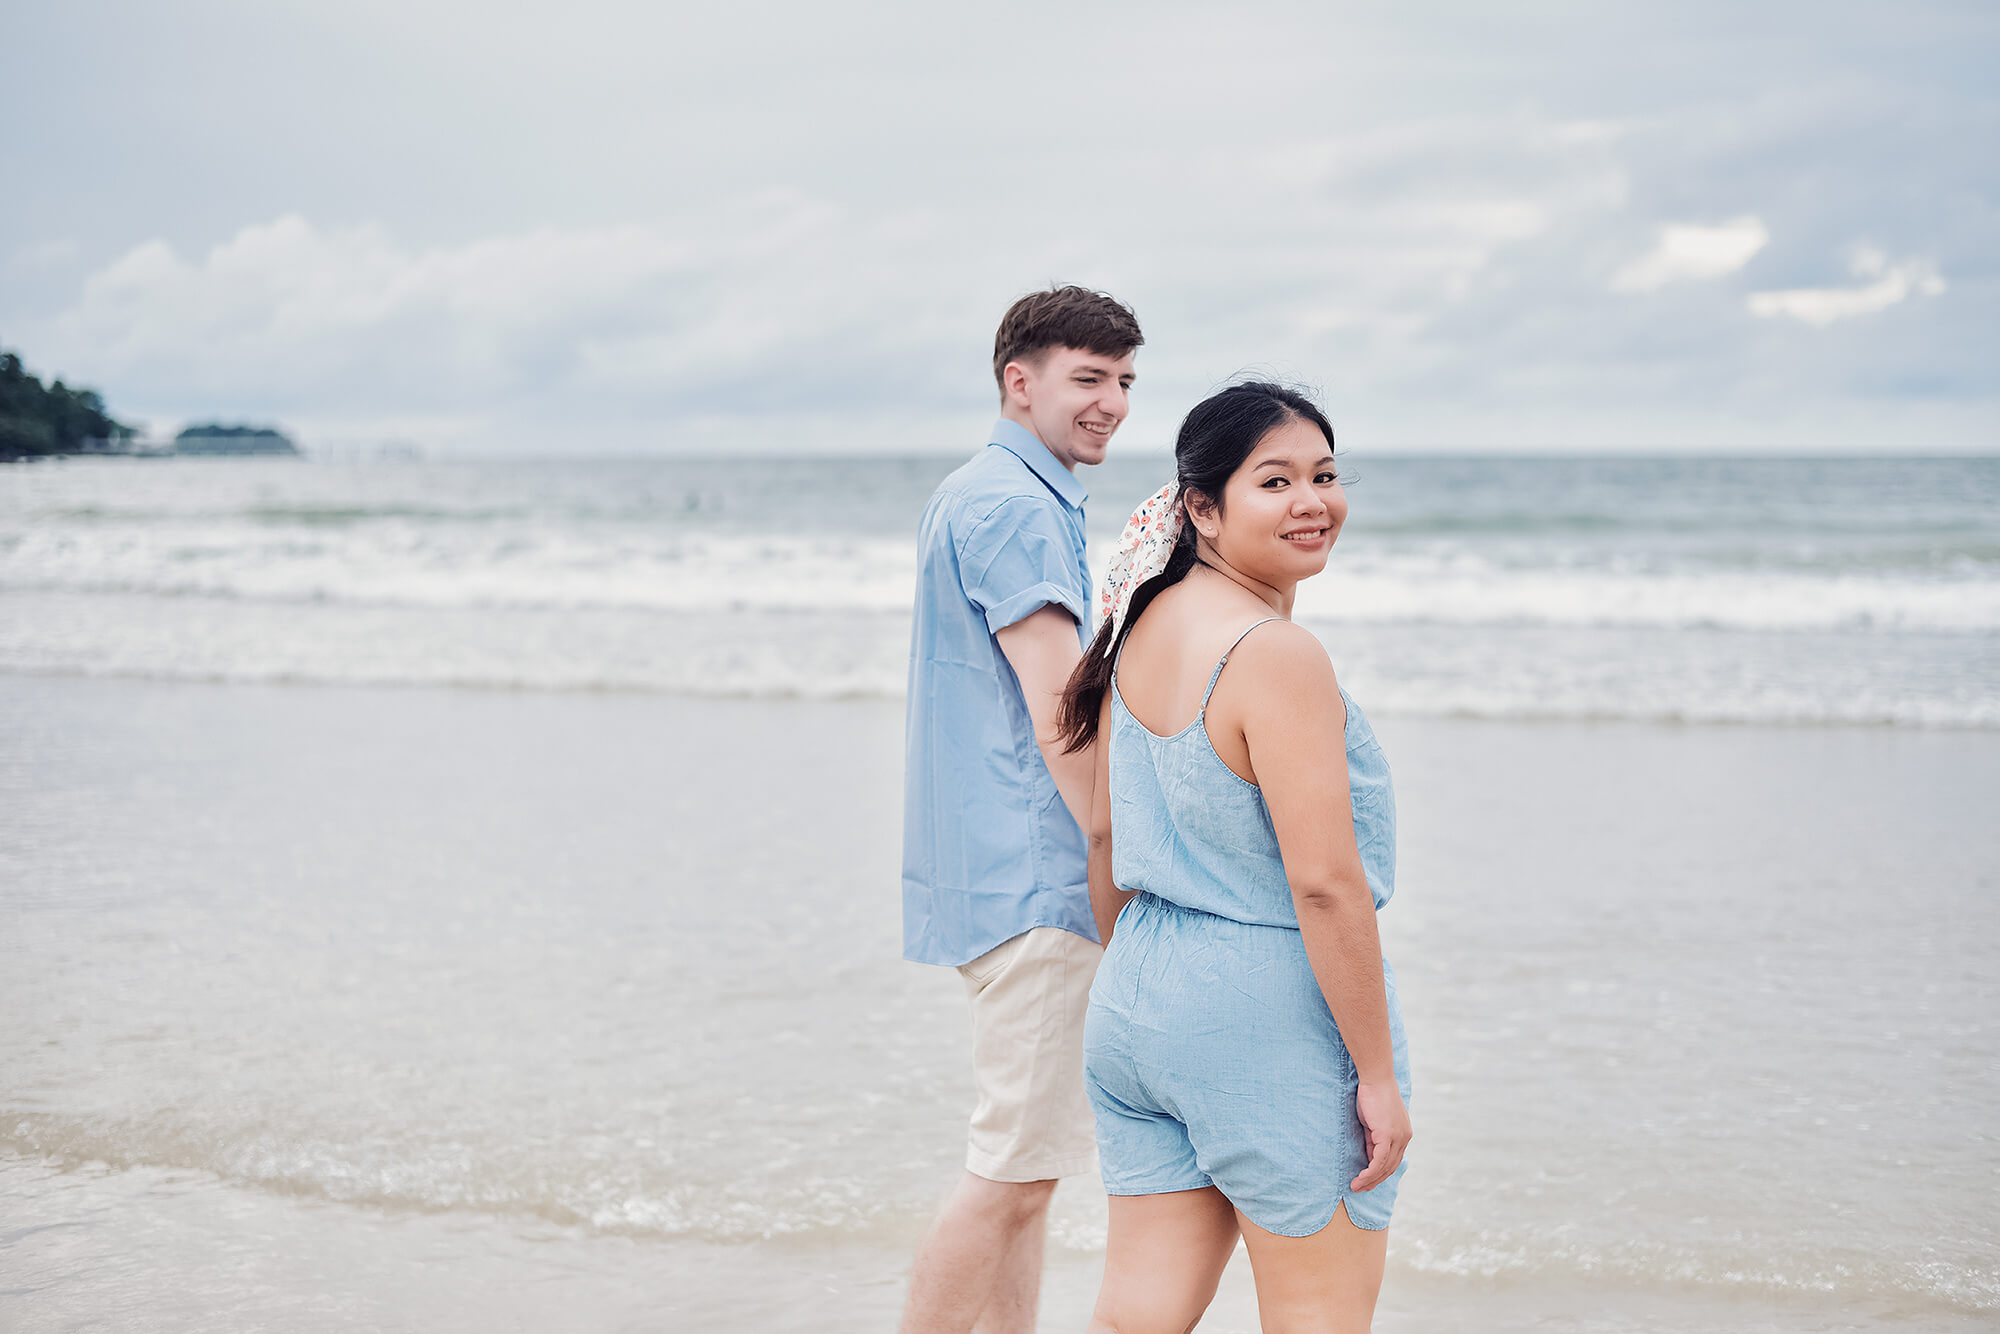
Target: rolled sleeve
[1016,560]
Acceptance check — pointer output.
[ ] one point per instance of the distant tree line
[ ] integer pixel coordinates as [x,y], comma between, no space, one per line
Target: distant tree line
[36,421]
[53,420]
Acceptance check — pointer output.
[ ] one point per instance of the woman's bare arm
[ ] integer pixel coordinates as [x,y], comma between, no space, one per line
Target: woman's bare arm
[1106,899]
[1295,726]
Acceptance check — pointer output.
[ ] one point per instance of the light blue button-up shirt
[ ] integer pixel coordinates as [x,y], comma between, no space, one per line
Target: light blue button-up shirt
[989,848]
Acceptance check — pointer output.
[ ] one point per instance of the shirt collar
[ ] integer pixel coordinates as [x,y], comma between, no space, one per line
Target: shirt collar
[1018,440]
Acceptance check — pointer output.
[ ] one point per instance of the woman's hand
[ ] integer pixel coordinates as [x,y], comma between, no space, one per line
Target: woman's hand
[1386,1122]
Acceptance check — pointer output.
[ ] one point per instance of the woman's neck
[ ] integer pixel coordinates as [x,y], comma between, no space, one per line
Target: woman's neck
[1278,597]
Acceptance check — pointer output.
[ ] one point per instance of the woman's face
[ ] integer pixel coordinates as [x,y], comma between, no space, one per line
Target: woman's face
[1281,510]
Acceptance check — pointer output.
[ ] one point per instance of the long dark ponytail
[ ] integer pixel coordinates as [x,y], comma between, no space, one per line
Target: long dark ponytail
[1215,438]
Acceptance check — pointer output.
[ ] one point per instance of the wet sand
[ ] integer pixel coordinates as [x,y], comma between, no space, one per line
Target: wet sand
[336,1008]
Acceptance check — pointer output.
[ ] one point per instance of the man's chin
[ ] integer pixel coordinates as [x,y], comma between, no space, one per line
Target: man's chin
[1089,449]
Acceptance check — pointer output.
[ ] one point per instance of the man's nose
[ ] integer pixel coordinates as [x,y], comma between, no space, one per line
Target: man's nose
[1116,400]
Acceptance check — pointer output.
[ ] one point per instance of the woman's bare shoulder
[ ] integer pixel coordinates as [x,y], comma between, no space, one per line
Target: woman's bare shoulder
[1284,656]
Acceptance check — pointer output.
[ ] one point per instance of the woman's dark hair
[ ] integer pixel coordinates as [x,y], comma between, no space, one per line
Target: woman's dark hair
[1214,440]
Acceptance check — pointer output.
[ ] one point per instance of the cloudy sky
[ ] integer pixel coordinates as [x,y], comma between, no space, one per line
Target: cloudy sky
[596,227]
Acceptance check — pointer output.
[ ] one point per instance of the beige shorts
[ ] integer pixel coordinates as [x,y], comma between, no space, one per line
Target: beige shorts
[1029,994]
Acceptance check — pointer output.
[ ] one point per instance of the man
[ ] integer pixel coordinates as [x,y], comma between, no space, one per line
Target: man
[993,856]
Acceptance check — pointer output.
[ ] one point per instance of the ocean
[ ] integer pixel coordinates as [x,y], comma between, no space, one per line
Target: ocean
[462,895]
[1694,590]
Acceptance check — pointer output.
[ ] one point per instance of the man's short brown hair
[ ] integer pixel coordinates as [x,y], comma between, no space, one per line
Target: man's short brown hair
[1063,317]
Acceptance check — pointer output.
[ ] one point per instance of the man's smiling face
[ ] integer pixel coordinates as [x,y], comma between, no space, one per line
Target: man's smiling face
[1073,401]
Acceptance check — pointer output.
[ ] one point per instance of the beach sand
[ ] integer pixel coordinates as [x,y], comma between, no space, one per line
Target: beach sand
[334,1008]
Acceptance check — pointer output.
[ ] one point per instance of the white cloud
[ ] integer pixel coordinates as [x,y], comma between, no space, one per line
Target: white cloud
[1443,280]
[1823,305]
[784,305]
[1591,132]
[317,320]
[287,286]
[1691,251]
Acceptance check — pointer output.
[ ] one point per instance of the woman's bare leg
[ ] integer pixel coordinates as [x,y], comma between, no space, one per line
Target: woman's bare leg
[1162,1260]
[1323,1284]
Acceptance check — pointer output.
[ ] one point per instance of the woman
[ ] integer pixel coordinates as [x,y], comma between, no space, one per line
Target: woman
[1244,1050]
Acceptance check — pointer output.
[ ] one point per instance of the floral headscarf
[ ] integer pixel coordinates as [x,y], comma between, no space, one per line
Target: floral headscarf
[1149,539]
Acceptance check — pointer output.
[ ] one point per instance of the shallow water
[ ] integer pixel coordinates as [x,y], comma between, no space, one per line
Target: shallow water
[436,1009]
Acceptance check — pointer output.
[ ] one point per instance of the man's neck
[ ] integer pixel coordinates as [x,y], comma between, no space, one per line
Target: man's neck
[1008,413]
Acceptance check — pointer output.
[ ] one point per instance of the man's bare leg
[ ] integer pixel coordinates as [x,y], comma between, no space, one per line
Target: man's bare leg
[981,1265]
[1017,1287]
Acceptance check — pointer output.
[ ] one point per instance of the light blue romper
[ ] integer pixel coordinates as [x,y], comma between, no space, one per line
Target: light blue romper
[1211,1057]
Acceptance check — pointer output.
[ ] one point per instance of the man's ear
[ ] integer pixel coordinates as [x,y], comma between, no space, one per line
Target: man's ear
[1015,377]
